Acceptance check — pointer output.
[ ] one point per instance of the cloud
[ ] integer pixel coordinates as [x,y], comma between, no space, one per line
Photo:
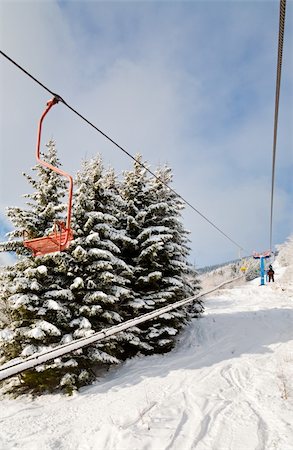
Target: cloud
[188,83]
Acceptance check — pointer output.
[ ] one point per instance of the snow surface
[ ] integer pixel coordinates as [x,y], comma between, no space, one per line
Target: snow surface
[227,386]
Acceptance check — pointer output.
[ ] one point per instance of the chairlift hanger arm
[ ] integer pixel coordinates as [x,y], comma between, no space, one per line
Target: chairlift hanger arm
[50,104]
[57,240]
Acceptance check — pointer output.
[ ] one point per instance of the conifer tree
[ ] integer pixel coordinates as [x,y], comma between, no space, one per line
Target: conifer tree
[162,260]
[35,291]
[37,308]
[101,276]
[134,191]
[159,255]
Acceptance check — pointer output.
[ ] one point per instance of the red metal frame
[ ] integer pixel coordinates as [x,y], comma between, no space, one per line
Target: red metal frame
[57,240]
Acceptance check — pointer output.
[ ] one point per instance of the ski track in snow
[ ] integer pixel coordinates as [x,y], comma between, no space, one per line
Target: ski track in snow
[222,388]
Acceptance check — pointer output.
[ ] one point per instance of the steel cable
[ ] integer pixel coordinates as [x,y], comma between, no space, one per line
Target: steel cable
[60,99]
[277,99]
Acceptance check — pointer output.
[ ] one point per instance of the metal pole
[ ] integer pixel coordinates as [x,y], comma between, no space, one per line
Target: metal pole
[262,271]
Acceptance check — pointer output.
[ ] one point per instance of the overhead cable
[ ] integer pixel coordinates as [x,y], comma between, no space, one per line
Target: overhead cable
[277,98]
[60,99]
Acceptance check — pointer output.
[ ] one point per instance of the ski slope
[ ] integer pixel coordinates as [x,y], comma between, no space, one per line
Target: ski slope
[227,386]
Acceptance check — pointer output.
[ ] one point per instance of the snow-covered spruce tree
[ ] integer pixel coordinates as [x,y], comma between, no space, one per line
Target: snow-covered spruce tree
[37,318]
[127,207]
[158,255]
[35,290]
[101,277]
[44,205]
[135,191]
[163,269]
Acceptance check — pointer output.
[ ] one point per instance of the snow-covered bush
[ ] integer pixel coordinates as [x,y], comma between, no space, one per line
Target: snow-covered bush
[285,252]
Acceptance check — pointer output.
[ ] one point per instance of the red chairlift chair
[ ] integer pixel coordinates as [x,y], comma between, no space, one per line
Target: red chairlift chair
[60,238]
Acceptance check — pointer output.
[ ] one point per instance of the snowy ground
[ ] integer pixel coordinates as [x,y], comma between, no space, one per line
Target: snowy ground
[227,386]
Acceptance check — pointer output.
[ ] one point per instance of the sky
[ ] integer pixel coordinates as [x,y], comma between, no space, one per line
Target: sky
[190,84]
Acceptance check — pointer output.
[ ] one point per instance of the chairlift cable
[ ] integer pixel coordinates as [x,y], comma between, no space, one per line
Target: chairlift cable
[277,98]
[60,99]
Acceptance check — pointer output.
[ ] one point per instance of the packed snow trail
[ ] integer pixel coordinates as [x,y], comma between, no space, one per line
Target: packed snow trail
[227,386]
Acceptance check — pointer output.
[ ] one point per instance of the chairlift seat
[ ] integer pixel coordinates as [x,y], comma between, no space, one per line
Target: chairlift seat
[56,241]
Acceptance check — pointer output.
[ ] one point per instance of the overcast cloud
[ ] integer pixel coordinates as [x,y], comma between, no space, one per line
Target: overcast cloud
[187,83]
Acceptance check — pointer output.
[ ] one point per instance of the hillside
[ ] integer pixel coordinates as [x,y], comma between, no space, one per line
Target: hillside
[215,275]
[227,386]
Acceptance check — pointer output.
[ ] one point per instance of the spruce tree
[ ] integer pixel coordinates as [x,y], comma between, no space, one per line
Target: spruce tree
[158,255]
[135,191]
[162,262]
[37,306]
[35,290]
[101,277]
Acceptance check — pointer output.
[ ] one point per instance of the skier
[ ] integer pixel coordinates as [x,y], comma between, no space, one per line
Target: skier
[270,273]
